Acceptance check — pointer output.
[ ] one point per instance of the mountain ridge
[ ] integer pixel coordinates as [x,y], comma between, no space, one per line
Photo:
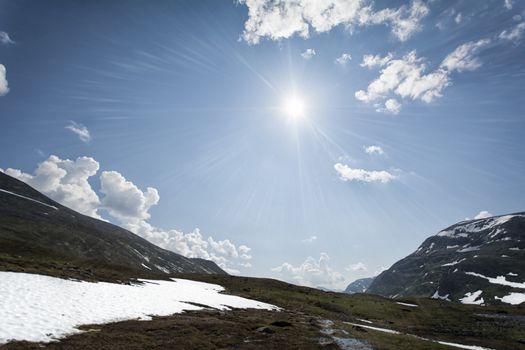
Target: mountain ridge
[33,226]
[474,261]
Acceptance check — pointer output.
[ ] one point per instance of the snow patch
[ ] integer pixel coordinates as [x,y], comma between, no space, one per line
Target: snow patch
[441,297]
[406,304]
[513,298]
[499,280]
[454,262]
[472,298]
[41,308]
[29,199]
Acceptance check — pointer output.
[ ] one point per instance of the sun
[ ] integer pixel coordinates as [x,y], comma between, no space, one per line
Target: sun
[294,107]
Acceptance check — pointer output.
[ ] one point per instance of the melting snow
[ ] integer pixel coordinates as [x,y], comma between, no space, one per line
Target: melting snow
[43,308]
[442,297]
[499,280]
[391,331]
[454,262]
[513,298]
[472,298]
[406,304]
[29,199]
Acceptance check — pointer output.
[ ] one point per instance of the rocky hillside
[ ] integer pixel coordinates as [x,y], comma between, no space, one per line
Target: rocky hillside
[37,232]
[359,285]
[475,262]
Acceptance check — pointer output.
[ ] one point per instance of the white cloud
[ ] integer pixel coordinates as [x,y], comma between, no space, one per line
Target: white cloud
[308,54]
[392,106]
[350,174]
[373,149]
[514,34]
[343,59]
[66,181]
[508,4]
[459,18]
[483,215]
[309,240]
[462,58]
[406,77]
[4,88]
[282,19]
[312,272]
[357,267]
[371,61]
[5,39]
[80,130]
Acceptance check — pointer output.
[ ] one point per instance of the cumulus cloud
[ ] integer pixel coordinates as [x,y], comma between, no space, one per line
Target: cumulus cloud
[351,174]
[359,266]
[483,215]
[4,88]
[312,272]
[308,54]
[406,77]
[513,34]
[309,240]
[5,39]
[370,61]
[508,4]
[80,130]
[343,59]
[66,181]
[282,19]
[373,149]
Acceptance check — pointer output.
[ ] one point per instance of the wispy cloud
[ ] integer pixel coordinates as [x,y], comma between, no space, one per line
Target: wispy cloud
[283,19]
[359,266]
[508,4]
[5,39]
[513,34]
[309,240]
[4,87]
[361,175]
[343,59]
[80,130]
[308,54]
[406,77]
[373,149]
[370,61]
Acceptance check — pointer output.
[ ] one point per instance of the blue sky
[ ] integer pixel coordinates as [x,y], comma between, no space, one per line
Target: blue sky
[186,98]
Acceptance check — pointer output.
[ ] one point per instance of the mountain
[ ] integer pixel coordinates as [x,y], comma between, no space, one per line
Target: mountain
[476,262]
[359,286]
[38,233]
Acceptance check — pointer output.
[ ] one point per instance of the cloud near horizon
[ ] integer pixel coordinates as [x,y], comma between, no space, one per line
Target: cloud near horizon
[281,19]
[312,273]
[67,182]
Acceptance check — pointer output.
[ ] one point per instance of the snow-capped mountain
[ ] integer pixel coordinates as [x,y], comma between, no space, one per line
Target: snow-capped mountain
[359,286]
[475,262]
[38,232]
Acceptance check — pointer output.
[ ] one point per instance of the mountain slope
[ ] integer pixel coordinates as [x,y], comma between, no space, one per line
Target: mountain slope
[37,229]
[359,286]
[477,261]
